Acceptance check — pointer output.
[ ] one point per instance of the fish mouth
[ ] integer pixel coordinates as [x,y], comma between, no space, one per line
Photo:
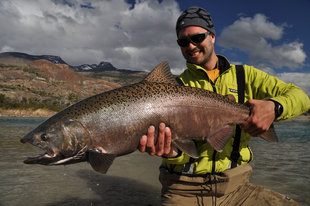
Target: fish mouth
[51,158]
[43,159]
[48,157]
[52,155]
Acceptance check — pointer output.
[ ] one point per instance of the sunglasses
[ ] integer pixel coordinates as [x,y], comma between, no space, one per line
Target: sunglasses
[194,39]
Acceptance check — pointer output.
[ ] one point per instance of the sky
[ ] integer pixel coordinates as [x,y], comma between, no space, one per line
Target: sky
[271,35]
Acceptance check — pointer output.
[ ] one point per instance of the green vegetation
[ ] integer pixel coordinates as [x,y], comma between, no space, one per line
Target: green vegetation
[73,98]
[8,66]
[31,70]
[32,104]
[25,68]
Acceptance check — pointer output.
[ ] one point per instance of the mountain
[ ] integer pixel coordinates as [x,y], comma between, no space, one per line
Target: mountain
[31,85]
[43,84]
[18,58]
[103,66]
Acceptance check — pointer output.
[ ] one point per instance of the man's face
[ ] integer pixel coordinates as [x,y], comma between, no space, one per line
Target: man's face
[200,53]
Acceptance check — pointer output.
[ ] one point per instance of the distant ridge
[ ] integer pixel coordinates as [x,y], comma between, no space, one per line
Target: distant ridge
[103,66]
[19,58]
[23,58]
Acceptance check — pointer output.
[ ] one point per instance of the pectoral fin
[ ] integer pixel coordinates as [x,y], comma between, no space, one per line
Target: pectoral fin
[270,135]
[230,97]
[219,139]
[100,161]
[187,146]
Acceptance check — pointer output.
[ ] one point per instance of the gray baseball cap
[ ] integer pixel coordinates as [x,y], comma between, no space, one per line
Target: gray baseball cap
[195,16]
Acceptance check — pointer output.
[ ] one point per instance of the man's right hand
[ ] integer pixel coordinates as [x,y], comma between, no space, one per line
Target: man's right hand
[163,146]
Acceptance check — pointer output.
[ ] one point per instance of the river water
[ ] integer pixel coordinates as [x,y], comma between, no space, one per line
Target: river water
[133,179]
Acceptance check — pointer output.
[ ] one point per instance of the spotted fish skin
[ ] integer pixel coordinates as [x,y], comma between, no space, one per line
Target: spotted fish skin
[102,127]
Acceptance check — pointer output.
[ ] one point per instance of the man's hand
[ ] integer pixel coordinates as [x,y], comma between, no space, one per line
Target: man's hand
[262,116]
[163,146]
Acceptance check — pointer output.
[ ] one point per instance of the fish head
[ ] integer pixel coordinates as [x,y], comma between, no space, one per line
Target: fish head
[64,142]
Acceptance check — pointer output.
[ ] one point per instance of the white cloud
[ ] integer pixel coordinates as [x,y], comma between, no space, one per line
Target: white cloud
[255,37]
[135,38]
[299,79]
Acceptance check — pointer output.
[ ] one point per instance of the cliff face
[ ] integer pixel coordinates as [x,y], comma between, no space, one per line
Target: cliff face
[58,72]
[43,84]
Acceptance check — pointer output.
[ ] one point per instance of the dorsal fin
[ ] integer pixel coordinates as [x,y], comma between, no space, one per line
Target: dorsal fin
[161,73]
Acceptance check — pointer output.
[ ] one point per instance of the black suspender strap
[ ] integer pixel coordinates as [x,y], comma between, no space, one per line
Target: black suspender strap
[241,83]
[241,87]
[179,81]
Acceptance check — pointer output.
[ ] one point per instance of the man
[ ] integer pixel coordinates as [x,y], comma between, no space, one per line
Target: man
[221,178]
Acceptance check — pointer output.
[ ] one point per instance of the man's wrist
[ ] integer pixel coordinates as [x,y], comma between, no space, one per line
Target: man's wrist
[278,108]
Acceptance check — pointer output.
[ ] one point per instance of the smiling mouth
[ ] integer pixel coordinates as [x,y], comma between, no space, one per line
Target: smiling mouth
[194,53]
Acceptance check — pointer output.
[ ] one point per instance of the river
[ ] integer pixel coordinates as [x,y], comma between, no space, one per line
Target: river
[133,179]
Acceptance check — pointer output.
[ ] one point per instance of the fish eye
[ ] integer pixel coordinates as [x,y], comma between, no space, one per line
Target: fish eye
[44,137]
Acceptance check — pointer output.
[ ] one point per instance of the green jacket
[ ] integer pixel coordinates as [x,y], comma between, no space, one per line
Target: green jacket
[259,85]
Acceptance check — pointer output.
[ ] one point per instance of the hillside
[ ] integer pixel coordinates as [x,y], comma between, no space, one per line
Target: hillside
[41,84]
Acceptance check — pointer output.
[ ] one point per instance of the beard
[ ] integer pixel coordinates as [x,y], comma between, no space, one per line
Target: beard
[207,56]
[204,55]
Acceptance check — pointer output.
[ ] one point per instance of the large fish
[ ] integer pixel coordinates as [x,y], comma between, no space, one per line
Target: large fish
[102,127]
